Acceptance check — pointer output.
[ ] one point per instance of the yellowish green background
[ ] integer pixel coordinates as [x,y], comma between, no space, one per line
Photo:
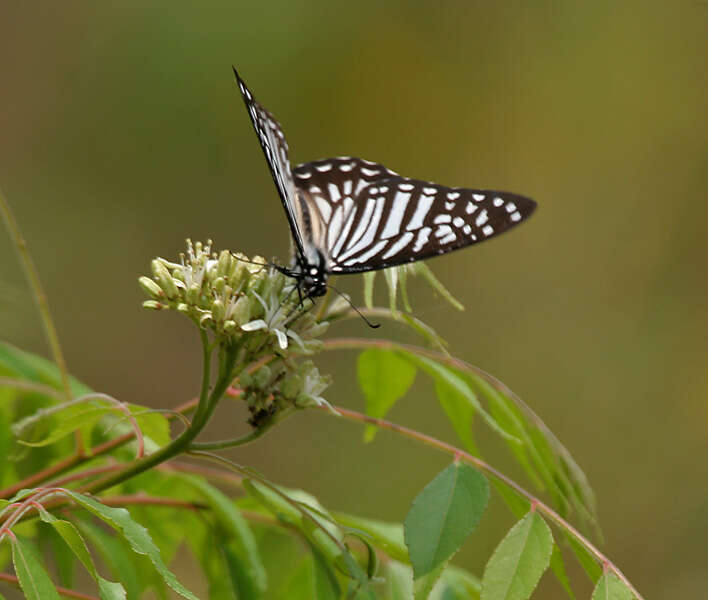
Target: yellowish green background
[122,133]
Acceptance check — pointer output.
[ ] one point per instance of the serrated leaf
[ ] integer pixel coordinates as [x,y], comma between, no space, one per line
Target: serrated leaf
[117,556]
[108,590]
[235,527]
[423,586]
[609,587]
[515,567]
[384,377]
[136,535]
[443,515]
[34,580]
[558,568]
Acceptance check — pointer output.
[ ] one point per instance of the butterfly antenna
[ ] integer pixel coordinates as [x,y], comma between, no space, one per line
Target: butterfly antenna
[356,310]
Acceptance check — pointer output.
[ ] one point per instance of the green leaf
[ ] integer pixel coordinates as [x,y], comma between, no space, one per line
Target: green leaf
[34,580]
[459,584]
[369,278]
[558,568]
[459,412]
[325,580]
[517,503]
[25,365]
[586,560]
[457,384]
[108,590]
[68,425]
[233,526]
[609,587]
[384,377]
[399,581]
[443,515]
[386,536]
[515,567]
[421,268]
[423,585]
[117,557]
[136,535]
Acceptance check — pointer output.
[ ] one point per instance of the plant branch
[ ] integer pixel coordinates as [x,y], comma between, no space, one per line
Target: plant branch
[457,453]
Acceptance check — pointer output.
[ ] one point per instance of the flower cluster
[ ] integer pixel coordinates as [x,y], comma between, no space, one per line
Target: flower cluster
[272,390]
[240,300]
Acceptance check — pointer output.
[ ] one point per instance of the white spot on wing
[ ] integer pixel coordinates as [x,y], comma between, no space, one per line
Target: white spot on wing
[466,230]
[453,195]
[449,238]
[482,218]
[395,216]
[347,187]
[324,168]
[422,238]
[324,207]
[516,216]
[373,251]
[370,172]
[430,190]
[421,211]
[458,221]
[443,230]
[405,187]
[510,207]
[470,208]
[347,167]
[399,245]
[334,193]
[487,230]
[497,201]
[442,219]
[478,197]
[315,189]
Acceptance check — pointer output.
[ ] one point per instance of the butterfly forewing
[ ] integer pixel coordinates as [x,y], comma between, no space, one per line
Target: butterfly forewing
[398,220]
[275,148]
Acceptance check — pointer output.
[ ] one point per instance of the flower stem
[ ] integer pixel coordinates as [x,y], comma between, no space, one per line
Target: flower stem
[38,291]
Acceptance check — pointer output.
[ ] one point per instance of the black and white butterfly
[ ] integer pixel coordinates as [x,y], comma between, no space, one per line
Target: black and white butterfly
[349,215]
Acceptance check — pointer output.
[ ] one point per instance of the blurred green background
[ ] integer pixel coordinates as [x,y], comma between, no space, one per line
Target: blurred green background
[122,133]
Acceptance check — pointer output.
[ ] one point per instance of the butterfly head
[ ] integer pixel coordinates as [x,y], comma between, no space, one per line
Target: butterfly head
[313,280]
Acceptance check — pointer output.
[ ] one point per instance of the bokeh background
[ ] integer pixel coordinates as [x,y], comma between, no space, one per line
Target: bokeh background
[122,133]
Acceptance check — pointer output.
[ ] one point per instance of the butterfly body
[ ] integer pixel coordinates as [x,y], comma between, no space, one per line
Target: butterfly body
[349,215]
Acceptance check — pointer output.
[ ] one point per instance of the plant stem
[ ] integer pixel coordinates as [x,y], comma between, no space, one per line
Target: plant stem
[485,467]
[38,291]
[205,408]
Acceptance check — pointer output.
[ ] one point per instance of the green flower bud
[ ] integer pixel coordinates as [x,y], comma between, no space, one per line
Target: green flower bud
[205,318]
[153,305]
[217,310]
[193,294]
[224,265]
[241,311]
[230,326]
[318,329]
[292,386]
[263,376]
[183,308]
[220,285]
[164,279]
[151,288]
[245,380]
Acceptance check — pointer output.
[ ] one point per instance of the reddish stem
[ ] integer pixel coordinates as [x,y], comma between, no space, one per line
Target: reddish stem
[6,577]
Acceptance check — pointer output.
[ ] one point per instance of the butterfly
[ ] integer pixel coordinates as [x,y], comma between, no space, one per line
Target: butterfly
[349,215]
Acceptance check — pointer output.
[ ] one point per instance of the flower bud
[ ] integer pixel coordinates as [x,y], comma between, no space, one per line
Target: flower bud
[241,312]
[220,285]
[263,376]
[153,305]
[164,279]
[151,288]
[217,310]
[193,294]
[224,265]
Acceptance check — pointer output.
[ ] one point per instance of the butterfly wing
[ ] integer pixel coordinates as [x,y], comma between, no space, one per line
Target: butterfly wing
[372,218]
[275,147]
